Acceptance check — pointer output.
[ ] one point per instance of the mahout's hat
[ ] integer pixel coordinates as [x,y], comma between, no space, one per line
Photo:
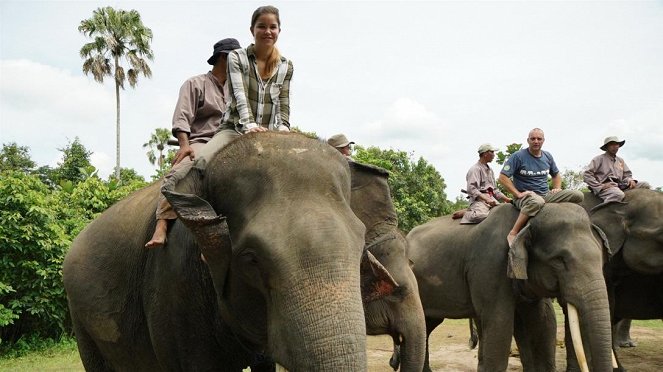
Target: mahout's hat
[223,46]
[338,140]
[486,147]
[615,139]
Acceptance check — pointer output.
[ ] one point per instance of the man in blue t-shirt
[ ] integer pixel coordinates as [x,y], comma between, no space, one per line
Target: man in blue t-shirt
[525,176]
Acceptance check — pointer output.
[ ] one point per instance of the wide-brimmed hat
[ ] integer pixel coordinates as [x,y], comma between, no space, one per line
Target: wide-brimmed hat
[338,140]
[223,46]
[486,147]
[615,139]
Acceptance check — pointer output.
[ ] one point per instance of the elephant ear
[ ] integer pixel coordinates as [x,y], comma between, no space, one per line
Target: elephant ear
[605,243]
[376,282]
[210,231]
[611,219]
[517,266]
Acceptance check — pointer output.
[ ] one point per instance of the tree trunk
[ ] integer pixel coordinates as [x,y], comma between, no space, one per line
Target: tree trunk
[117,126]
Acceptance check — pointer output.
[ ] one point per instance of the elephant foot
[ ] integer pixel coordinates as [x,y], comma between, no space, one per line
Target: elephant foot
[627,343]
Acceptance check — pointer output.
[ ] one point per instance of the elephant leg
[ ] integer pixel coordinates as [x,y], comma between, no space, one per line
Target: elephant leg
[495,333]
[621,334]
[431,324]
[535,328]
[89,352]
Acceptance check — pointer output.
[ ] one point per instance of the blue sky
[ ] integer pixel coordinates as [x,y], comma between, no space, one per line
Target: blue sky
[435,78]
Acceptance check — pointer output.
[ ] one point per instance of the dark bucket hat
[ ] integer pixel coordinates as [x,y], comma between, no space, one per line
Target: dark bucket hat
[223,46]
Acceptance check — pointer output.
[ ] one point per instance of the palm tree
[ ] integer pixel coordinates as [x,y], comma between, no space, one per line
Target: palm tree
[158,141]
[119,36]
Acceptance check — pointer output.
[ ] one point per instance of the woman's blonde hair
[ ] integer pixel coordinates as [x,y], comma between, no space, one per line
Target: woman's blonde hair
[275,56]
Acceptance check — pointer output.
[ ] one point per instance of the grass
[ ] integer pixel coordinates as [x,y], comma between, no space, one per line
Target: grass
[61,356]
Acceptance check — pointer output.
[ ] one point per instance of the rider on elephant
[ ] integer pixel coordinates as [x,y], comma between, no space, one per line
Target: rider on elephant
[481,188]
[258,79]
[607,175]
[341,143]
[198,113]
[525,176]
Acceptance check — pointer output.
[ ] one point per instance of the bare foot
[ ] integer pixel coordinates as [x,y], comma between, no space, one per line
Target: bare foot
[510,238]
[159,237]
[459,214]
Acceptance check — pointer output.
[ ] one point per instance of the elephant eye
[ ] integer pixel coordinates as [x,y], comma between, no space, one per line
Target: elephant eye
[248,257]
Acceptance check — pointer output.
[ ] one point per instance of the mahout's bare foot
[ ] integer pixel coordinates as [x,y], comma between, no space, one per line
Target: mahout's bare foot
[458,214]
[159,236]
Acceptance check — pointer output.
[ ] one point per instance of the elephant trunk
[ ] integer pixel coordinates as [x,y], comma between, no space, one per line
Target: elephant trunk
[413,334]
[594,321]
[320,326]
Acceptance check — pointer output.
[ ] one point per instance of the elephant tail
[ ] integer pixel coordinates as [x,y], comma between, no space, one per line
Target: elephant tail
[474,335]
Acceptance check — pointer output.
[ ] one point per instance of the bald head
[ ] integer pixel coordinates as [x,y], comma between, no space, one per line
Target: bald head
[535,140]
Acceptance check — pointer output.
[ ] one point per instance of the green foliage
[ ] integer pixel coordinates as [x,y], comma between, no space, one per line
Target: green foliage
[460,203]
[14,157]
[37,225]
[307,134]
[128,177]
[75,164]
[33,245]
[511,149]
[416,187]
[573,180]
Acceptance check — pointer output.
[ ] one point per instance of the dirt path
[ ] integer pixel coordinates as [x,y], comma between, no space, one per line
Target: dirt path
[450,351]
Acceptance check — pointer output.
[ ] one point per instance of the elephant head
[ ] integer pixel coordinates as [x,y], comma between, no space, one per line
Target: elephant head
[399,314]
[557,255]
[285,256]
[633,227]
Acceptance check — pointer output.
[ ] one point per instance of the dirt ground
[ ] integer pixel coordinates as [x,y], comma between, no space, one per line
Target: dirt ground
[450,351]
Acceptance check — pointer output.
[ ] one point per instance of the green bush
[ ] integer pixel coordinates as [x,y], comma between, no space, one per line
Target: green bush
[37,226]
[32,244]
[417,189]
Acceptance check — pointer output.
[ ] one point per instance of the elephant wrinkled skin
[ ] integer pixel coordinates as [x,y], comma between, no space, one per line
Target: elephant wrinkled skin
[289,286]
[462,273]
[399,314]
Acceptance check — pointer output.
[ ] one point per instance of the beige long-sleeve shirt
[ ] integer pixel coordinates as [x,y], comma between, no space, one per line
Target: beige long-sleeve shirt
[606,168]
[200,107]
[479,178]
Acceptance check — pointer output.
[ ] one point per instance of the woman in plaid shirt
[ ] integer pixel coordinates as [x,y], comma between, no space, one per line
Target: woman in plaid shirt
[259,84]
[258,79]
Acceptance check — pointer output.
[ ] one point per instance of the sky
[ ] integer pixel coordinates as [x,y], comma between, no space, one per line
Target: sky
[433,78]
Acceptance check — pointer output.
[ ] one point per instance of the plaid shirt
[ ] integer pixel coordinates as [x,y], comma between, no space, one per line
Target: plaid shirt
[249,94]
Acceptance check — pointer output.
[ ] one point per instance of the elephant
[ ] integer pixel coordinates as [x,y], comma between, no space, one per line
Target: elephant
[282,251]
[633,235]
[469,271]
[400,314]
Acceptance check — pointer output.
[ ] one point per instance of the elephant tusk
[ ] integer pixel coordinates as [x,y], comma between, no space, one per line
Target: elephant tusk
[280,368]
[574,327]
[614,360]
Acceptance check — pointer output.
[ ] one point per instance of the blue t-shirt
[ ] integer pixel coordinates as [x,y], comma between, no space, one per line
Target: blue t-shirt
[530,173]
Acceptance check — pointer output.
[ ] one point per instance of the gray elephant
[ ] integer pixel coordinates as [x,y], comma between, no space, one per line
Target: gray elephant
[400,314]
[634,271]
[462,273]
[287,287]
